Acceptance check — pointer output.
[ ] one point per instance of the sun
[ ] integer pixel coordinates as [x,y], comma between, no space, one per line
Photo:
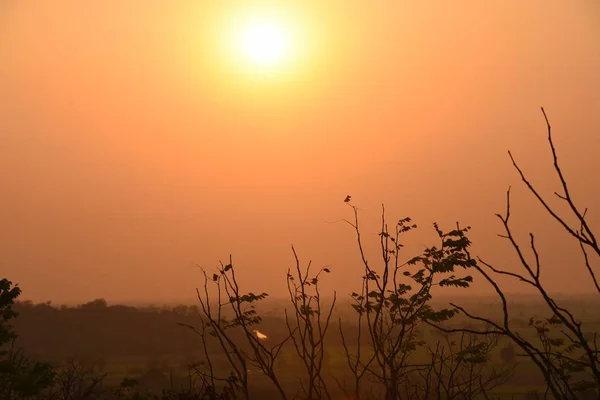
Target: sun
[264,42]
[258,44]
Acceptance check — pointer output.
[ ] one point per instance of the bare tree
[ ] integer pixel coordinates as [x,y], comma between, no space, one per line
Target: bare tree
[209,381]
[308,325]
[565,356]
[230,316]
[459,367]
[394,301]
[76,381]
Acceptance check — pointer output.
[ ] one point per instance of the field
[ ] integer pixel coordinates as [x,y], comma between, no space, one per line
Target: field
[149,344]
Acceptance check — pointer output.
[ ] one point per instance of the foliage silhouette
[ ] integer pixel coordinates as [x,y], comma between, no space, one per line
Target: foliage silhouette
[19,376]
[308,326]
[395,304]
[567,357]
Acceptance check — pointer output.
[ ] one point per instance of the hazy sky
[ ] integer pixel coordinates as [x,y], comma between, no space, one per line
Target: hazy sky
[132,148]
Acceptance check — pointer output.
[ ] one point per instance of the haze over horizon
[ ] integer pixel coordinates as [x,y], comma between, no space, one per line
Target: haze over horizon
[132,151]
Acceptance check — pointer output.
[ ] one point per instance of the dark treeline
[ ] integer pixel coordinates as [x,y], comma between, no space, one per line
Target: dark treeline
[96,330]
[119,331]
[154,346]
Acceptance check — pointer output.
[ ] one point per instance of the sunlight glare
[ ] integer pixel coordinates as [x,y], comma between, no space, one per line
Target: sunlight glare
[264,42]
[259,334]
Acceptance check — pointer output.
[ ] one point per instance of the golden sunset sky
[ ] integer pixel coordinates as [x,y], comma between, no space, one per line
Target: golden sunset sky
[138,140]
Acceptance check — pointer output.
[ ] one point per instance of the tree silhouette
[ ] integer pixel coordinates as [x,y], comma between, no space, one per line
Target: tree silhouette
[561,350]
[19,376]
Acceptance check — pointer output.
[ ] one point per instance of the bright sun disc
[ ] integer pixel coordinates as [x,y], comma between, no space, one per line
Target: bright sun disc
[264,42]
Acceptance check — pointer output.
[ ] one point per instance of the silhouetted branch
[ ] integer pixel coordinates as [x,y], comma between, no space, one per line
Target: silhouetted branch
[309,326]
[566,359]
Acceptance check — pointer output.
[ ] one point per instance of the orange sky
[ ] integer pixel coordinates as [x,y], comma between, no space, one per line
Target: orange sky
[131,151]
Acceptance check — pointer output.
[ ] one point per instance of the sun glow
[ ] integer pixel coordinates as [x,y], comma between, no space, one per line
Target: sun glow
[264,41]
[260,47]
